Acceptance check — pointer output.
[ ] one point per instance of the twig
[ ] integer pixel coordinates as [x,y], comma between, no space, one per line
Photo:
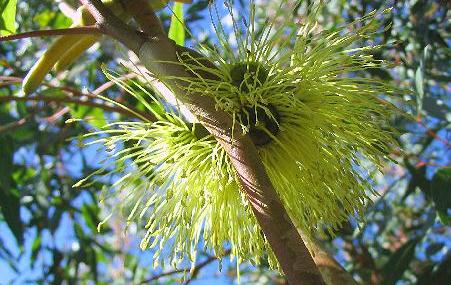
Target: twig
[194,273]
[109,84]
[4,63]
[433,134]
[113,26]
[94,95]
[13,125]
[58,114]
[65,99]
[10,78]
[201,265]
[53,32]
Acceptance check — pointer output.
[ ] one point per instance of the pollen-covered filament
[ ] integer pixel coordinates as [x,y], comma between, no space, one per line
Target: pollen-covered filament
[260,120]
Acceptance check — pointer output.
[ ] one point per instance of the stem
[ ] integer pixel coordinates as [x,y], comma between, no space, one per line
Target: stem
[154,47]
[53,32]
[109,84]
[331,271]
[194,273]
[65,99]
[113,26]
[12,126]
[8,80]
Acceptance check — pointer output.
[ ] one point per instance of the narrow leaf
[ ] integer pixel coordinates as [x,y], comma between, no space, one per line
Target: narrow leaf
[441,193]
[9,196]
[35,247]
[399,261]
[177,28]
[7,17]
[419,84]
[419,78]
[93,116]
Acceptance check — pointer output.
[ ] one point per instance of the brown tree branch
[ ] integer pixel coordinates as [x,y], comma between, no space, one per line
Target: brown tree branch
[13,125]
[197,268]
[65,99]
[331,270]
[53,32]
[109,84]
[153,48]
[114,27]
[8,80]
[145,17]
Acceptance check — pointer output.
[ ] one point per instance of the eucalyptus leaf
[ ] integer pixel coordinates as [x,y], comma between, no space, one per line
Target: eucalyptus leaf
[36,247]
[7,17]
[9,195]
[91,115]
[399,261]
[419,85]
[441,193]
[177,28]
[420,78]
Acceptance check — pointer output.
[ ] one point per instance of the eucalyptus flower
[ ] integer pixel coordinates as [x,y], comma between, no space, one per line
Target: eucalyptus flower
[297,91]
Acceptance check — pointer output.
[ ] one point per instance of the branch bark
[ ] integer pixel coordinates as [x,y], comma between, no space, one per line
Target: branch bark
[86,30]
[330,269]
[128,110]
[153,47]
[65,99]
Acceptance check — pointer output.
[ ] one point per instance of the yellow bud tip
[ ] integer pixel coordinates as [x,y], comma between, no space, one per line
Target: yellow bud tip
[40,69]
[31,82]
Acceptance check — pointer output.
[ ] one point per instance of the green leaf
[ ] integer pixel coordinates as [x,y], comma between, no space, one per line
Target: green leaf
[49,18]
[9,196]
[177,28]
[419,78]
[441,193]
[92,261]
[419,84]
[398,262]
[92,115]
[90,215]
[7,17]
[79,232]
[35,247]
[444,217]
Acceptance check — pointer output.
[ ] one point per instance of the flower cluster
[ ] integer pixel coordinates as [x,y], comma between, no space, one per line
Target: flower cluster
[297,92]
